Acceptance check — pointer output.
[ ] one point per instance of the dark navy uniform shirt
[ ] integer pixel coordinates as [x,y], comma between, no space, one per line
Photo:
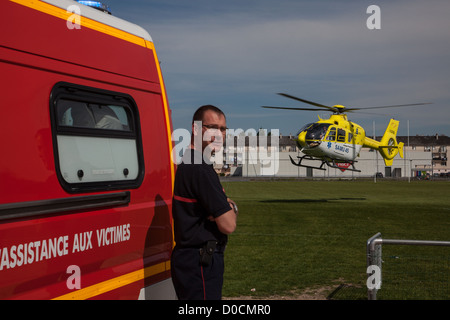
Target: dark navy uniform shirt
[198,194]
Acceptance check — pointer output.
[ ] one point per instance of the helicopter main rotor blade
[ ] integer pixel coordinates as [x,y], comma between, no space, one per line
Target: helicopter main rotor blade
[286,108]
[306,101]
[338,109]
[394,106]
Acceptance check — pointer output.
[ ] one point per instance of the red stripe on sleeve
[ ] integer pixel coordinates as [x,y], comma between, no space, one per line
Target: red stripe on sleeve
[184,199]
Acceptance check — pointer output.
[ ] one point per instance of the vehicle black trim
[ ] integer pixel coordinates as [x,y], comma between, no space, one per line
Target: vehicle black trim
[54,206]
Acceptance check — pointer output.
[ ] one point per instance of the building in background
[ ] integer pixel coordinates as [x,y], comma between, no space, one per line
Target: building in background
[424,157]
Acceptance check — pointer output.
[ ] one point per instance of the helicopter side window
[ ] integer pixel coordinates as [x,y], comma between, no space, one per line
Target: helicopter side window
[350,137]
[331,135]
[341,135]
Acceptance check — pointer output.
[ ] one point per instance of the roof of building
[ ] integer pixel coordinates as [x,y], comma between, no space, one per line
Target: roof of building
[436,140]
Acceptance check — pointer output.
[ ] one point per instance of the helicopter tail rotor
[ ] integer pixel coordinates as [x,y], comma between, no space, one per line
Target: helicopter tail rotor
[388,146]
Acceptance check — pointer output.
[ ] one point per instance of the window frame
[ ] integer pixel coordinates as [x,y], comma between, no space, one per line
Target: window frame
[76,92]
[328,135]
[341,135]
[350,138]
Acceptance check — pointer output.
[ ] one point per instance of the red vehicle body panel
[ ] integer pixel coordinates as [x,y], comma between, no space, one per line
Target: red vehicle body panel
[37,50]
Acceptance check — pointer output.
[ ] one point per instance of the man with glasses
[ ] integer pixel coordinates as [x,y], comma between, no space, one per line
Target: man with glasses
[203,214]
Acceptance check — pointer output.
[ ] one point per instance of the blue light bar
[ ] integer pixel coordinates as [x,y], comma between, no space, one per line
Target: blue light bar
[96,5]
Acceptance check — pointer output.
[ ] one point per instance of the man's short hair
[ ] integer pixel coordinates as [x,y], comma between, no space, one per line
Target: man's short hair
[198,115]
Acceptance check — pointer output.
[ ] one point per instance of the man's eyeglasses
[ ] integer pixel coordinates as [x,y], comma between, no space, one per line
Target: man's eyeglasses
[215,127]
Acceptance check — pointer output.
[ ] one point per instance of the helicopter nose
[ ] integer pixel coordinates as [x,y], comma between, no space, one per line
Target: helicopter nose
[301,139]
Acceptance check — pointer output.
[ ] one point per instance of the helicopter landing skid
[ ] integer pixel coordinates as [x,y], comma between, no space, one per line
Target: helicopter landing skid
[299,163]
[331,164]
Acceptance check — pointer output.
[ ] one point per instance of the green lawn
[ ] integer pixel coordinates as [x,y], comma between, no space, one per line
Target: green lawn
[294,235]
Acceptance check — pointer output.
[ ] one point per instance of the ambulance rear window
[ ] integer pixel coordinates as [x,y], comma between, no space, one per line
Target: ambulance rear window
[92,115]
[97,139]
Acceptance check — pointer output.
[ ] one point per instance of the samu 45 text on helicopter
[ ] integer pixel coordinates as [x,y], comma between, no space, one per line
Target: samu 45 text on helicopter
[337,141]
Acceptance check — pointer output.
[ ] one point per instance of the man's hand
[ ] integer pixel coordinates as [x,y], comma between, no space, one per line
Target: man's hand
[233,205]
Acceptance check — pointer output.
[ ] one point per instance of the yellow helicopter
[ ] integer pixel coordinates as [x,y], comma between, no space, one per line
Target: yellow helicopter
[337,141]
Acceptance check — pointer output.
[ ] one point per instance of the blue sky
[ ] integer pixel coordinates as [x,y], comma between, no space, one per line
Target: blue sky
[238,54]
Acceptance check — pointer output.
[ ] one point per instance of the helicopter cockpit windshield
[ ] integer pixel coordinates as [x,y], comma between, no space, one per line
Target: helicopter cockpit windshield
[306,126]
[315,133]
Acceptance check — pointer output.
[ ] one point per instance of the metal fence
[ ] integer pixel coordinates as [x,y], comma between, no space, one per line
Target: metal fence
[406,274]
[282,167]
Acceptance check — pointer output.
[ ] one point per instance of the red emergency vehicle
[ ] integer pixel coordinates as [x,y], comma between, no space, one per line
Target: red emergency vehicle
[86,176]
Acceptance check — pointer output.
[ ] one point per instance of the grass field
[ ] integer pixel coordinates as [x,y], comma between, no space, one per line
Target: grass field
[300,235]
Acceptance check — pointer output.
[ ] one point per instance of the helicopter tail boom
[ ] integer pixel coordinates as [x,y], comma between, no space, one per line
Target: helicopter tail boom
[388,146]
